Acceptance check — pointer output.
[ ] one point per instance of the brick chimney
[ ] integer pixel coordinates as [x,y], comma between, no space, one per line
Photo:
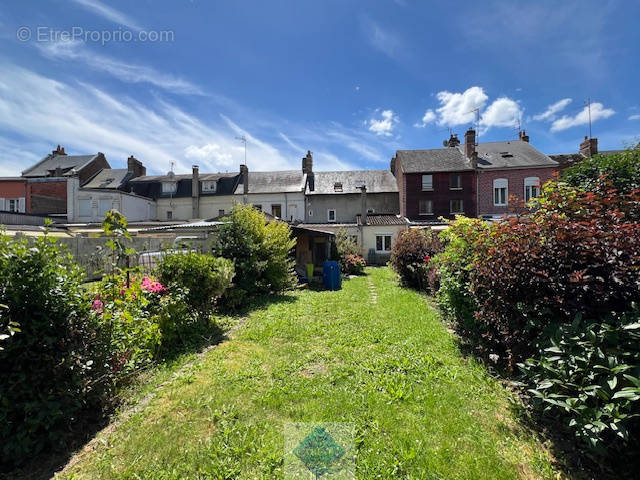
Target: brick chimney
[195,192]
[522,135]
[307,163]
[244,173]
[589,146]
[135,167]
[58,151]
[392,166]
[454,141]
[363,199]
[470,143]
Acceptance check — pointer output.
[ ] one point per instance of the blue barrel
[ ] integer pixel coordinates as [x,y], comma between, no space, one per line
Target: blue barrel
[331,275]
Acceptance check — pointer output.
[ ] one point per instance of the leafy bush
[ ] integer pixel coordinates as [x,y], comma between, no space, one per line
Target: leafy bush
[49,362]
[411,256]
[461,241]
[260,251]
[588,372]
[348,254]
[204,277]
[622,170]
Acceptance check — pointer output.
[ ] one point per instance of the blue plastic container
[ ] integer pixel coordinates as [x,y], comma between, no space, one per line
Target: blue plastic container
[331,275]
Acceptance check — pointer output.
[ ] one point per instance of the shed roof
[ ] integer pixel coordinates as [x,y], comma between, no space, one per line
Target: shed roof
[110,178]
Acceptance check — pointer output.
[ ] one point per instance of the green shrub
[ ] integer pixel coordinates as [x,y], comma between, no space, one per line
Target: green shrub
[260,251]
[348,254]
[204,277]
[411,256]
[622,170]
[588,373]
[49,361]
[462,242]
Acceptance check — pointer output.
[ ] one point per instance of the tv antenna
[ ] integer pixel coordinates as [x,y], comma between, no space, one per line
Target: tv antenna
[477,113]
[589,110]
[243,139]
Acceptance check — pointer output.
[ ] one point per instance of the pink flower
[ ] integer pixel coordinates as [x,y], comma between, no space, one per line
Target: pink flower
[152,286]
[426,259]
[97,305]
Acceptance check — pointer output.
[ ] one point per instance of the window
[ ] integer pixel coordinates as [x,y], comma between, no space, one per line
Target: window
[276,210]
[84,207]
[383,242]
[258,207]
[13,204]
[354,239]
[221,212]
[169,187]
[371,210]
[337,187]
[427,182]
[169,215]
[104,206]
[456,206]
[331,215]
[209,186]
[425,207]
[500,192]
[531,188]
[455,181]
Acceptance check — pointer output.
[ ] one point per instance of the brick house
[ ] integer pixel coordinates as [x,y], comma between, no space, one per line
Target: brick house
[435,183]
[13,194]
[472,179]
[47,180]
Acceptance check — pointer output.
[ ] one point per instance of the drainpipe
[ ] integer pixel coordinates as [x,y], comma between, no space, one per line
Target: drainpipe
[195,192]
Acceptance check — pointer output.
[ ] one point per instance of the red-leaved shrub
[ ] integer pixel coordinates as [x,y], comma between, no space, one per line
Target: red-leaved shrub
[411,256]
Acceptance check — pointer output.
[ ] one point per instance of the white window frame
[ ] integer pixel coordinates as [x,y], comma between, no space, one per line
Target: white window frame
[427,183]
[533,185]
[459,176]
[384,236]
[425,200]
[329,219]
[209,186]
[451,210]
[499,184]
[169,187]
[15,202]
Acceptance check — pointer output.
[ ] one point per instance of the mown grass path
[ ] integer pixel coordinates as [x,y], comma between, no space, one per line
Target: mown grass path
[420,409]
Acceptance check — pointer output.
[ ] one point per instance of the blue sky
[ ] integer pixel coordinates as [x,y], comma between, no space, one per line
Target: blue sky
[351,81]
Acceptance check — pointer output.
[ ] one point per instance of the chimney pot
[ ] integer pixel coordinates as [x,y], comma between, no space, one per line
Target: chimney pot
[244,173]
[135,167]
[307,163]
[589,147]
[523,136]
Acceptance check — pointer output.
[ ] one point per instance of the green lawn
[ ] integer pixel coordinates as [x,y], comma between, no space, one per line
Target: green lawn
[372,354]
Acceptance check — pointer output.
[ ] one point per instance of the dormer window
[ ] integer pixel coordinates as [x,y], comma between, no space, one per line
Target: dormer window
[169,187]
[209,186]
[337,187]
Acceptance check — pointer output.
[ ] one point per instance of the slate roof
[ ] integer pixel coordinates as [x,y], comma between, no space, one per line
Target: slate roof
[47,166]
[109,178]
[450,159]
[151,185]
[274,182]
[376,181]
[511,154]
[498,155]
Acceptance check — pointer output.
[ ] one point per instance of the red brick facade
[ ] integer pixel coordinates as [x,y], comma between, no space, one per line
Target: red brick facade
[515,184]
[441,195]
[45,196]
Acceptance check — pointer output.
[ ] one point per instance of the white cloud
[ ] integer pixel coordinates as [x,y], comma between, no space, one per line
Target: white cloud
[582,118]
[634,117]
[458,108]
[385,124]
[503,112]
[109,13]
[429,116]
[85,119]
[126,72]
[381,39]
[550,113]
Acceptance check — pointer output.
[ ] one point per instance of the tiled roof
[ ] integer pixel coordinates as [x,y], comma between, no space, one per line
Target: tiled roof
[435,160]
[512,154]
[386,219]
[48,165]
[274,182]
[111,178]
[348,181]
